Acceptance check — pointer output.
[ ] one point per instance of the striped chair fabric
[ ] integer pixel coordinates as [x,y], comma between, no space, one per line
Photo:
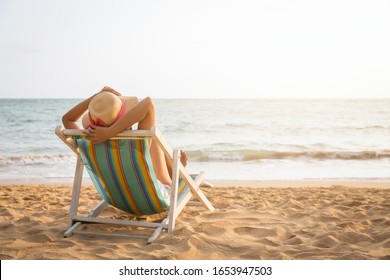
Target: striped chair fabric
[123,174]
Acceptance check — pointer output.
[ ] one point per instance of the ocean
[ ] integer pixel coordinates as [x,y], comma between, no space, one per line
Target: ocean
[257,139]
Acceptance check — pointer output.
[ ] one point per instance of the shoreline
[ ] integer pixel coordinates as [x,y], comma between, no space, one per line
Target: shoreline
[306,183]
[293,183]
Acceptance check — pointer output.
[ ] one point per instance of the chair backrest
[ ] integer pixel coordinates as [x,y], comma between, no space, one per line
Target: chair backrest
[123,174]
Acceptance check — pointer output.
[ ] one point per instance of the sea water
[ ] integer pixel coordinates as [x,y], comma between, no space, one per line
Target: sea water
[229,139]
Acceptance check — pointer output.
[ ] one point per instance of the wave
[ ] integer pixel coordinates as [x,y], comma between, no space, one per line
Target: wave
[253,155]
[207,156]
[35,159]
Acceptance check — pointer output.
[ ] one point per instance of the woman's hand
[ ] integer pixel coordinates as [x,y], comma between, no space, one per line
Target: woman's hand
[106,88]
[98,134]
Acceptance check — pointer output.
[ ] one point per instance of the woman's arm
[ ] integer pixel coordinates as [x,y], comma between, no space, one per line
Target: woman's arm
[71,117]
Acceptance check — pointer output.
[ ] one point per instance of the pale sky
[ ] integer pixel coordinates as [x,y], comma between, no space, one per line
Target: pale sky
[195,49]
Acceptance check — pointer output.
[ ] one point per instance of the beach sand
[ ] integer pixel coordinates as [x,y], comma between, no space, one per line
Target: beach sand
[253,220]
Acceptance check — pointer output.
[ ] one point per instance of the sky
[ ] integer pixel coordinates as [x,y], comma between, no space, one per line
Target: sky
[195,49]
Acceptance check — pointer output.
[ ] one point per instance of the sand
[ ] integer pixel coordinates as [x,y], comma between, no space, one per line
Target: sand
[281,220]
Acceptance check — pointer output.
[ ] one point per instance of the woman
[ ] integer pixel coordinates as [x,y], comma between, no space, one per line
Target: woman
[109,113]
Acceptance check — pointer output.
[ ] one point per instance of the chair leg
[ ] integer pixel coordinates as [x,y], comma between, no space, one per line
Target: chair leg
[75,194]
[69,231]
[157,232]
[174,192]
[194,185]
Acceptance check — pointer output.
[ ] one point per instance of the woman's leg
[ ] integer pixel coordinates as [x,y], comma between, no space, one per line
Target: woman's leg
[157,155]
[162,166]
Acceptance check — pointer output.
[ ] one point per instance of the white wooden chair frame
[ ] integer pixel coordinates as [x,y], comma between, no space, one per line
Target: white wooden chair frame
[75,221]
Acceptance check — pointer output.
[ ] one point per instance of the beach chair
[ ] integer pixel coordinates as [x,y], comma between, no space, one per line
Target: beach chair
[122,172]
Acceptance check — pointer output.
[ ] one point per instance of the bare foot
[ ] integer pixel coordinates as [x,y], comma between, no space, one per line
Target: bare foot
[183,158]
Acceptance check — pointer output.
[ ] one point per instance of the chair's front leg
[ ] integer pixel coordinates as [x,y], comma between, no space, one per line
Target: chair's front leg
[174,191]
[78,177]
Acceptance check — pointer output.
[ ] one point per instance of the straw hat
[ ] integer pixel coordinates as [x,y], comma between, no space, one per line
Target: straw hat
[105,108]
